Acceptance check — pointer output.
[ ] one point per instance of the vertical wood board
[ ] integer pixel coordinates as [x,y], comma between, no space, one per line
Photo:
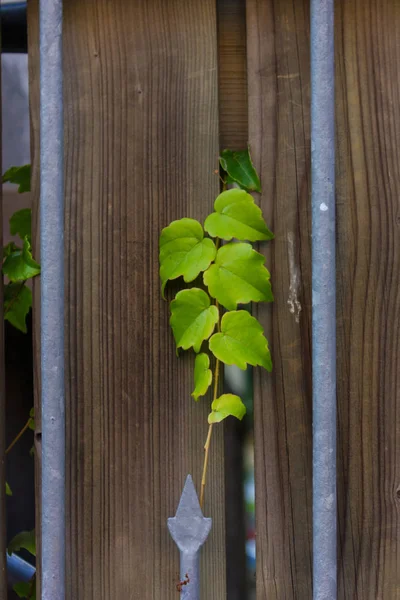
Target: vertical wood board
[141,148]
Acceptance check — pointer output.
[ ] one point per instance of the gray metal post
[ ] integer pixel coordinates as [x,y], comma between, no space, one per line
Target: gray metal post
[52,300]
[189,529]
[323,300]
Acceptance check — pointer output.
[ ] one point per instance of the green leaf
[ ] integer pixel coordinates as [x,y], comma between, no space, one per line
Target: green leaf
[202,375]
[17,303]
[32,419]
[24,540]
[227,405]
[22,589]
[19,175]
[239,167]
[8,490]
[184,251]
[241,341]
[237,216]
[20,265]
[238,276]
[192,318]
[25,589]
[9,249]
[21,223]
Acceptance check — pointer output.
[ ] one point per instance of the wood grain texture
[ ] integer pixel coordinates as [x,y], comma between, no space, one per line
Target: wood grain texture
[3,527]
[368,266]
[141,148]
[368,278]
[232,74]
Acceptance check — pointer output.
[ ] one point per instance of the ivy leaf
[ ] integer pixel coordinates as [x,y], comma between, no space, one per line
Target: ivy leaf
[238,276]
[241,341]
[202,375]
[17,303]
[24,540]
[25,589]
[227,405]
[9,249]
[19,175]
[20,265]
[21,223]
[184,251]
[240,168]
[237,216]
[8,490]
[192,318]
[32,419]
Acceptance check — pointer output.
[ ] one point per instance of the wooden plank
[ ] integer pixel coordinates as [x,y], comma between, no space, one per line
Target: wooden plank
[3,522]
[278,73]
[368,296]
[232,74]
[141,149]
[368,120]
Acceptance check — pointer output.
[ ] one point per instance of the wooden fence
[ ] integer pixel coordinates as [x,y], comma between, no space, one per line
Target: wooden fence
[145,117]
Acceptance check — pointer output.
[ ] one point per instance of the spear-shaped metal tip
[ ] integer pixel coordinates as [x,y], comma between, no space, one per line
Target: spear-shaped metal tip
[189,529]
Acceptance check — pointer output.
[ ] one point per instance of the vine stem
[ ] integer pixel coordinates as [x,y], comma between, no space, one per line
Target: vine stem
[208,440]
[210,428]
[19,435]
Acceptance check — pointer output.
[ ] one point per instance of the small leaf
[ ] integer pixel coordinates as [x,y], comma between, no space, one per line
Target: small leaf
[202,375]
[24,540]
[237,216]
[32,419]
[17,303]
[26,589]
[239,167]
[192,318]
[241,341]
[238,276]
[21,223]
[184,251]
[9,249]
[22,589]
[227,405]
[20,265]
[19,175]
[8,490]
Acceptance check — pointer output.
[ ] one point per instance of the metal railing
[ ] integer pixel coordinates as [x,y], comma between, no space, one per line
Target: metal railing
[52,300]
[323,299]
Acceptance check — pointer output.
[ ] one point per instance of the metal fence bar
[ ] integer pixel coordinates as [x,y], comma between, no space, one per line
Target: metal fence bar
[189,529]
[52,301]
[323,300]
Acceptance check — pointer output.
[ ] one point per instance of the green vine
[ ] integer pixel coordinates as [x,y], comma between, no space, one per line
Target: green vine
[233,274]
[19,266]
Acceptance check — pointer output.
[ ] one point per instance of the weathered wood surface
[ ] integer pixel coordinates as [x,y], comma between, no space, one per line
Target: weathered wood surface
[232,74]
[368,272]
[141,118]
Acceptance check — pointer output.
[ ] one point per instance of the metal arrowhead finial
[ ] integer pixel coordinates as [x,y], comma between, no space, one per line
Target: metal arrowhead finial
[189,529]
